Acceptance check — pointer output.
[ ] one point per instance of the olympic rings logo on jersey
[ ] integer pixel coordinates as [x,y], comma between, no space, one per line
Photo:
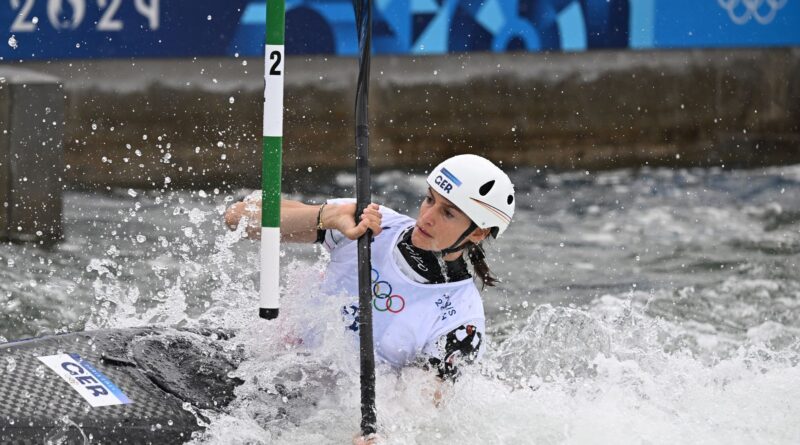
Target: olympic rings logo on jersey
[382,297]
[742,11]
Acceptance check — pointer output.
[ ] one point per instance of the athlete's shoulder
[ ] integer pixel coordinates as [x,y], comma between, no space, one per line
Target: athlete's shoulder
[391,218]
[470,297]
[392,222]
[456,306]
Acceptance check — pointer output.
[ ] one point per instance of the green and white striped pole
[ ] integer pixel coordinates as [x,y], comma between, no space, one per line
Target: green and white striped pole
[271,160]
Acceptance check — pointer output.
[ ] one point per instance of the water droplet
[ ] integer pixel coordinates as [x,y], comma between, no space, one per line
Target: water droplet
[231,100]
[94,126]
[132,193]
[141,238]
[209,17]
[12,42]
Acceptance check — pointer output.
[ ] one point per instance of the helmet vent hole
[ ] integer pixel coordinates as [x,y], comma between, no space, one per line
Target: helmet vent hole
[485,188]
[510,199]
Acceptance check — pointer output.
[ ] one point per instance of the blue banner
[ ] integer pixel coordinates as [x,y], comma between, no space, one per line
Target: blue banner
[52,29]
[726,23]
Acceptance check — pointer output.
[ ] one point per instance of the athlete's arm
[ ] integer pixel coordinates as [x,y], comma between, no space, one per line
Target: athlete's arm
[446,357]
[372,439]
[459,346]
[299,221]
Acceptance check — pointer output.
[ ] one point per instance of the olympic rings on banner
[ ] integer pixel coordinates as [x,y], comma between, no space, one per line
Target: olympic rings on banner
[742,11]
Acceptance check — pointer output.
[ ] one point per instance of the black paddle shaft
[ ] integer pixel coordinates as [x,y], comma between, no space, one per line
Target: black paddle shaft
[363,11]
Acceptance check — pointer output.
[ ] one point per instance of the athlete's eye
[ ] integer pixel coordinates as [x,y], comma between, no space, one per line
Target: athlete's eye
[449,214]
[428,199]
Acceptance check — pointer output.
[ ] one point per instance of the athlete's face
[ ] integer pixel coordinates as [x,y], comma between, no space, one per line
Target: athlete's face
[440,224]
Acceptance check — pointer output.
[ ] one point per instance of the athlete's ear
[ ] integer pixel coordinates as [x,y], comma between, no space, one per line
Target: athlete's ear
[478,235]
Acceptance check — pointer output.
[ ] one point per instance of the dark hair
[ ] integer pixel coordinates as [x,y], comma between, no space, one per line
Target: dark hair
[477,257]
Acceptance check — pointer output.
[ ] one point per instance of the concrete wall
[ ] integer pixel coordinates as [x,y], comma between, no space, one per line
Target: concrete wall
[31,155]
[593,110]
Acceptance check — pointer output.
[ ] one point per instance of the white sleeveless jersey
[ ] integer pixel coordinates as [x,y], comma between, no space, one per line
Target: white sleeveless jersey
[409,318]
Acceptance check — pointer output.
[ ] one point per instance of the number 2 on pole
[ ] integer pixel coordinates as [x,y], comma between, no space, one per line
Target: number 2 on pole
[276,56]
[273,91]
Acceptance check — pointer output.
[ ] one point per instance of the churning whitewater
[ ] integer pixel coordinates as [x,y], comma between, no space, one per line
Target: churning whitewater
[650,306]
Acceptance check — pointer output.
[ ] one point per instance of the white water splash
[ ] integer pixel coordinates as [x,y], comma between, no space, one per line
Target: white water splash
[704,350]
[596,376]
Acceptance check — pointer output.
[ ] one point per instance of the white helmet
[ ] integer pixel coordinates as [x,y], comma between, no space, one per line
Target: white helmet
[478,188]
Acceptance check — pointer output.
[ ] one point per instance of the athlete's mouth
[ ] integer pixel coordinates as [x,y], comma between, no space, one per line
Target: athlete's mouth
[424,232]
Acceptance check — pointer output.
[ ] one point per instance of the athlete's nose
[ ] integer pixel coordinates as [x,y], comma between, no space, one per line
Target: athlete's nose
[425,215]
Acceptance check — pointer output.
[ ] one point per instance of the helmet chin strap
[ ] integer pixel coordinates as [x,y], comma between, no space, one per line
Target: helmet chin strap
[457,246]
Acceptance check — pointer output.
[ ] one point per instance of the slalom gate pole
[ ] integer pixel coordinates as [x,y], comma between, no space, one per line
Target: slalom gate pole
[363,11]
[271,160]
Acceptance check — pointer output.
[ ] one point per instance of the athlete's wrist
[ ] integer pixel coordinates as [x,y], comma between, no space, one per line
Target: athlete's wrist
[327,216]
[319,216]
